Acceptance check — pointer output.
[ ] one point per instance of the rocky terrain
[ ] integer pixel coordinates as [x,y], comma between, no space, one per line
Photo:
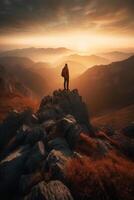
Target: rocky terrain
[56,154]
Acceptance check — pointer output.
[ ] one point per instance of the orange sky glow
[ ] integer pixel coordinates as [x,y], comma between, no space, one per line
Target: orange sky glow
[81,25]
[78,41]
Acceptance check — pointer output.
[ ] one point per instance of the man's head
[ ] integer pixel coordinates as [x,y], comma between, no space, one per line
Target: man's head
[66,65]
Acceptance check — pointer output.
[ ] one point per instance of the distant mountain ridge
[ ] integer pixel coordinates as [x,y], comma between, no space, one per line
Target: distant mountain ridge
[87,60]
[107,87]
[116,55]
[37,54]
[36,50]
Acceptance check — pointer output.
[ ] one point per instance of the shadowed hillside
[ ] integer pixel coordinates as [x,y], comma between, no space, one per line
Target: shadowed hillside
[19,72]
[116,119]
[14,93]
[107,87]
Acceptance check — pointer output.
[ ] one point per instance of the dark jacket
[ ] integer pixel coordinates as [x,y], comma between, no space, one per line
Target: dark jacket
[65,72]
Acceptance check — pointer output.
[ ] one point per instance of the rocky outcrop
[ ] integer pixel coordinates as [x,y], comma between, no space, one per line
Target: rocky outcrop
[35,148]
[64,103]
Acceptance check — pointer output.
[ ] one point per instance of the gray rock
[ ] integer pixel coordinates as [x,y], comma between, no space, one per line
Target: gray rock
[13,122]
[48,125]
[36,158]
[13,144]
[50,112]
[60,144]
[56,163]
[34,135]
[28,181]
[10,172]
[54,190]
[70,129]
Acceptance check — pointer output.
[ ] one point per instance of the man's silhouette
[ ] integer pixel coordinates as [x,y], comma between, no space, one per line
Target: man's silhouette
[65,74]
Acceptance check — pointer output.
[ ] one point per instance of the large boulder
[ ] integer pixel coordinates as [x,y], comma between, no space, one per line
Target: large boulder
[55,164]
[54,190]
[61,145]
[9,127]
[28,181]
[34,135]
[49,112]
[70,130]
[15,142]
[29,135]
[36,157]
[48,125]
[10,172]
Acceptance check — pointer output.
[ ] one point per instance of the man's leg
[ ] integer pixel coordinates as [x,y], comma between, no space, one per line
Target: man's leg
[64,84]
[67,84]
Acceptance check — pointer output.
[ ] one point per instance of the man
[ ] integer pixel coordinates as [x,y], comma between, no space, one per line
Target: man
[65,74]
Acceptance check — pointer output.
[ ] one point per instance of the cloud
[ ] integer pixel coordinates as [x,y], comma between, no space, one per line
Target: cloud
[62,15]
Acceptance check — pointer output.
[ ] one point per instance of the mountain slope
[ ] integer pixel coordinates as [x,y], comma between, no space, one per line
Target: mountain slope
[116,119]
[14,94]
[108,86]
[20,73]
[10,84]
[13,61]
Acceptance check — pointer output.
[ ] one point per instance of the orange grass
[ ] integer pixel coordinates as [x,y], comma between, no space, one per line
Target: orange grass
[17,102]
[111,177]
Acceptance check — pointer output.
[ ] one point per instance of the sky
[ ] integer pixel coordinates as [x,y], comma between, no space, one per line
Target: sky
[83,25]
